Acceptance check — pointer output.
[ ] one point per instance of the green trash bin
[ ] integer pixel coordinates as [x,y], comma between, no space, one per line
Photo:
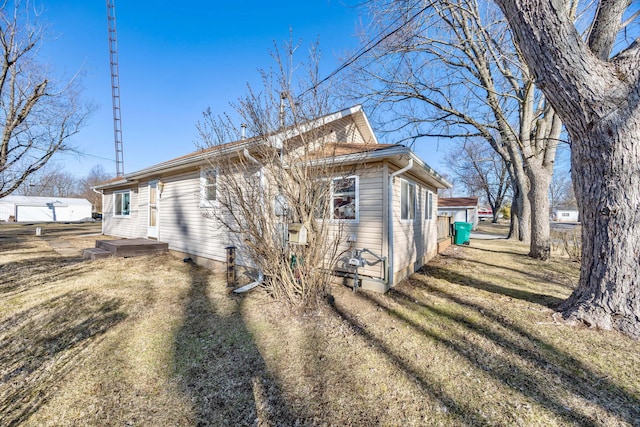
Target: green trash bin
[462,232]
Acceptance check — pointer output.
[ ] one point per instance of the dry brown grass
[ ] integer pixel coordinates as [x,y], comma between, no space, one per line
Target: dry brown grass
[470,340]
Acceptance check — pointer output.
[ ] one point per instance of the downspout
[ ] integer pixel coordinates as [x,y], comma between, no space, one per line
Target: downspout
[252,285]
[390,219]
[102,202]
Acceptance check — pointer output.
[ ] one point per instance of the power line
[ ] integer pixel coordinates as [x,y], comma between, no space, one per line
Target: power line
[368,47]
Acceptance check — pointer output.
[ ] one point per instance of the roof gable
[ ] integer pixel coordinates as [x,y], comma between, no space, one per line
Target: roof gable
[346,134]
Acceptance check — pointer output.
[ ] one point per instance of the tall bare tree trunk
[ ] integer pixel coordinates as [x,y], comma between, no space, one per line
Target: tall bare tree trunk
[539,179]
[609,293]
[520,224]
[598,99]
[514,230]
[524,219]
[524,206]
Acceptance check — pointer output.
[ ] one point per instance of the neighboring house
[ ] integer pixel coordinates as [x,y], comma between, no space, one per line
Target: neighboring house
[44,209]
[462,209]
[169,201]
[566,215]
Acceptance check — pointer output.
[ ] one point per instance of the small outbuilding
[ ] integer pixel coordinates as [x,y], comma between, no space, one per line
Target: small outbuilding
[462,209]
[566,215]
[44,209]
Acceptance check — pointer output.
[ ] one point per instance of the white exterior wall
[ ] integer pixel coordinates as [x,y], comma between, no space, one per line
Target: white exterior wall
[369,229]
[127,227]
[143,207]
[45,209]
[566,216]
[414,241]
[183,223]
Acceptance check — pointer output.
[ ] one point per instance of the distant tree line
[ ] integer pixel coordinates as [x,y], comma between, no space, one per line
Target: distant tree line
[53,181]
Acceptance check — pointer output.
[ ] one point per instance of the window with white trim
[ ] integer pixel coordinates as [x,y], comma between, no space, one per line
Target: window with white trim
[344,198]
[407,200]
[122,203]
[208,186]
[429,206]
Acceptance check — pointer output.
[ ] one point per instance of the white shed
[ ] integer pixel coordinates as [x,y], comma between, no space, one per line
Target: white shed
[566,215]
[44,209]
[462,209]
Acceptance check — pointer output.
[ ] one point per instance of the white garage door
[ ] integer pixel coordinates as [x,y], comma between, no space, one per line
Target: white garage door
[34,214]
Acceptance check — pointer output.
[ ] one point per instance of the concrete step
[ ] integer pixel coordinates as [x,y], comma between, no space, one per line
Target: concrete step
[132,247]
[95,253]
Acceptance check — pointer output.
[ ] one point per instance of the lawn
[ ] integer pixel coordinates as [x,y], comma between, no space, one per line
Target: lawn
[472,339]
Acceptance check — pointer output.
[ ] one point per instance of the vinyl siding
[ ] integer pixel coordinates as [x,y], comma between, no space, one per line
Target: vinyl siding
[369,229]
[125,227]
[343,130]
[143,208]
[183,224]
[414,241]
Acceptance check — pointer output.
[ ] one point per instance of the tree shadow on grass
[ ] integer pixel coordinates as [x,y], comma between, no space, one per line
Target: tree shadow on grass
[39,346]
[539,367]
[464,414]
[30,273]
[496,251]
[219,365]
[527,271]
[14,244]
[464,280]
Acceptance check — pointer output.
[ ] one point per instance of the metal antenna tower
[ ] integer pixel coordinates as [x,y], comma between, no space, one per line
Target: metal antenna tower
[115,86]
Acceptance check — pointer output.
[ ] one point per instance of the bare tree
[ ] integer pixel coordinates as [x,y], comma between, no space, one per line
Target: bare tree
[38,115]
[597,93]
[97,175]
[286,176]
[561,191]
[50,181]
[479,169]
[449,69]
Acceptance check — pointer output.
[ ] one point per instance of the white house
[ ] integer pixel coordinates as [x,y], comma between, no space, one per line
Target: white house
[388,206]
[44,209]
[462,209]
[566,215]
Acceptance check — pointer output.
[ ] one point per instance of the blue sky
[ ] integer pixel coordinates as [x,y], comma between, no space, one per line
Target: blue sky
[178,58]
[175,60]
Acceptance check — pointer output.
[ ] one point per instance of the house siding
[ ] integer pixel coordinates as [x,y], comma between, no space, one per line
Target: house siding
[143,208]
[126,227]
[190,229]
[343,130]
[414,241]
[369,228]
[183,224]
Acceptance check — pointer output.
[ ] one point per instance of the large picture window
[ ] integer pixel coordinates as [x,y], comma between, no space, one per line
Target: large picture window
[344,198]
[122,203]
[407,200]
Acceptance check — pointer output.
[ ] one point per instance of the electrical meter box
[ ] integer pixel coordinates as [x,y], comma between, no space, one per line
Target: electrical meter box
[297,234]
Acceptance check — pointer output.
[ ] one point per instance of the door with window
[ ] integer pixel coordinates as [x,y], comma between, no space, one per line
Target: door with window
[152,230]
